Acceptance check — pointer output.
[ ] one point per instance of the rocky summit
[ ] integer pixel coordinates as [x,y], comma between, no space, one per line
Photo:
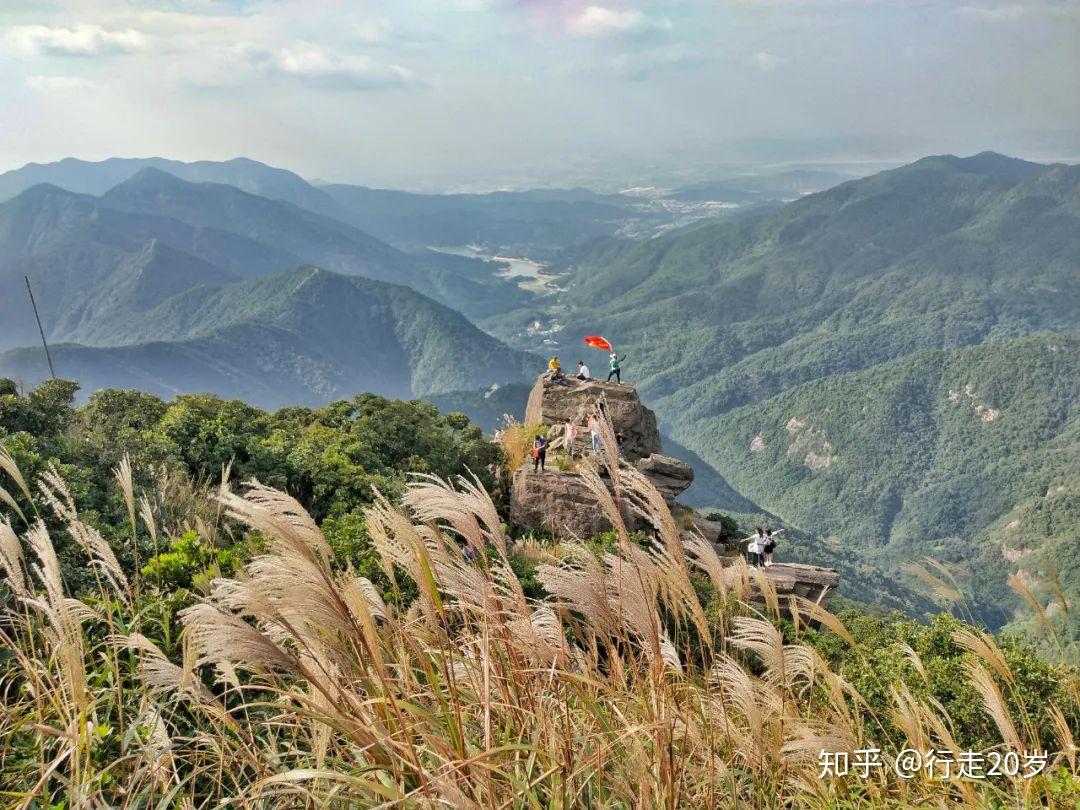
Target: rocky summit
[556,404]
[558,502]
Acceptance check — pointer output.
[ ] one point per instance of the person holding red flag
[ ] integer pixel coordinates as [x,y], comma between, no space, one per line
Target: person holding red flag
[616,370]
[602,343]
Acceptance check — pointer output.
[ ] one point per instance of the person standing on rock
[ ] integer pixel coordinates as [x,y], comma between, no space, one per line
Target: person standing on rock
[616,370]
[755,549]
[594,430]
[770,545]
[540,446]
[569,435]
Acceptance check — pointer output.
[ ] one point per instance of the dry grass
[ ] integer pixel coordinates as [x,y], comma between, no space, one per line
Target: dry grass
[516,440]
[296,685]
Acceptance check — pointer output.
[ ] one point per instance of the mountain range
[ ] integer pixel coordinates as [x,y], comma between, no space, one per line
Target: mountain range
[535,223]
[889,365]
[175,286]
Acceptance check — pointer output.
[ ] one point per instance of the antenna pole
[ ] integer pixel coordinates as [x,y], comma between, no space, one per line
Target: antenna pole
[41,331]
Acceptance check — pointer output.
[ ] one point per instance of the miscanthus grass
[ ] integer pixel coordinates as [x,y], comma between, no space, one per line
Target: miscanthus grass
[296,684]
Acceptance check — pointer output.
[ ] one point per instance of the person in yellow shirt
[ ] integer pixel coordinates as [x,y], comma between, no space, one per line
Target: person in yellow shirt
[555,370]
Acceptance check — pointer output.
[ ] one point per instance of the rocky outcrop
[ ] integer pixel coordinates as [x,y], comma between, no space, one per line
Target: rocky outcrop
[807,581]
[557,502]
[554,403]
[669,475]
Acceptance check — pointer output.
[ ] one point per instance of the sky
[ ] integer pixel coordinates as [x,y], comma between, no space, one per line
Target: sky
[469,93]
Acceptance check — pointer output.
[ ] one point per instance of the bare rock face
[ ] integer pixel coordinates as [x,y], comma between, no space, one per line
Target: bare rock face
[557,502]
[669,475]
[808,581]
[552,403]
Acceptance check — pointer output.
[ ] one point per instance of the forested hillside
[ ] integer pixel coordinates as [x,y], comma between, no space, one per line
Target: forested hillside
[920,457]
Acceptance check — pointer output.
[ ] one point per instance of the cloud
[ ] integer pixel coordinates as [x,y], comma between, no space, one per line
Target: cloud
[642,65]
[601,21]
[312,64]
[766,60]
[58,84]
[1008,13]
[81,40]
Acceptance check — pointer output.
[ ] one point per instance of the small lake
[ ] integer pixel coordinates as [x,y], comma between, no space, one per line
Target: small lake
[528,273]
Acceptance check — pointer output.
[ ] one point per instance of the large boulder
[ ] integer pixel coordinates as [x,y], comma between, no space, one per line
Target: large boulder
[554,403]
[557,502]
[669,475]
[696,524]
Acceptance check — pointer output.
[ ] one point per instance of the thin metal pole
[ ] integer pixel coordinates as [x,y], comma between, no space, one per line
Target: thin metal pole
[41,331]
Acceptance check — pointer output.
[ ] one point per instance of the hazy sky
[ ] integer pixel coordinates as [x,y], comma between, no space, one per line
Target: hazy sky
[443,92]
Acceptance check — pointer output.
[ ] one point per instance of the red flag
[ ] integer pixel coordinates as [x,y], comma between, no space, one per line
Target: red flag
[598,342]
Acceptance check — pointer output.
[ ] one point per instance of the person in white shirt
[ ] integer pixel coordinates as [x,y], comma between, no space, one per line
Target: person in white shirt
[594,431]
[569,435]
[582,370]
[755,548]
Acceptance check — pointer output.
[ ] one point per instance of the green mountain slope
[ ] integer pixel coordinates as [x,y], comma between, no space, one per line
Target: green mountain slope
[300,336]
[467,285]
[95,268]
[923,456]
[942,253]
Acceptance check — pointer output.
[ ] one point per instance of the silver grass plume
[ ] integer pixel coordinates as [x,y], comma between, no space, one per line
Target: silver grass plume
[11,560]
[55,492]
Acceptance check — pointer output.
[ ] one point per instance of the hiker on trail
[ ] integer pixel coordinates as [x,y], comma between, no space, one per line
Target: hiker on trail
[540,446]
[594,431]
[770,545]
[755,549]
[616,371]
[582,370]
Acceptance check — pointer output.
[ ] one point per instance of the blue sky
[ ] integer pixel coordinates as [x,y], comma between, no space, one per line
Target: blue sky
[448,93]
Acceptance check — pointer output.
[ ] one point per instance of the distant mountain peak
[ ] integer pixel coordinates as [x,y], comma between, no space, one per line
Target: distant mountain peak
[991,164]
[152,177]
